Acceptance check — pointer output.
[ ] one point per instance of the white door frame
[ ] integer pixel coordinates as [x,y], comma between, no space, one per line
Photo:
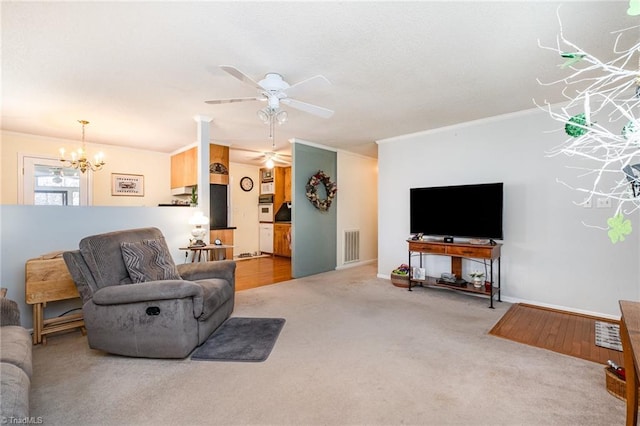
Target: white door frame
[26,164]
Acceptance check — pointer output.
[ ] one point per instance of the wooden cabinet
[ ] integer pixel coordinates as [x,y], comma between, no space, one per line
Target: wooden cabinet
[287,183]
[488,252]
[281,190]
[219,154]
[282,239]
[281,185]
[226,237]
[184,166]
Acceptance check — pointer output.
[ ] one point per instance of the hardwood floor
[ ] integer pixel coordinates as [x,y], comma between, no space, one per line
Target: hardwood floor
[558,331]
[251,273]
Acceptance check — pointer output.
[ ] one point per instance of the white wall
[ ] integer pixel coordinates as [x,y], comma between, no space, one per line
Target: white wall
[154,166]
[27,232]
[549,256]
[358,203]
[244,208]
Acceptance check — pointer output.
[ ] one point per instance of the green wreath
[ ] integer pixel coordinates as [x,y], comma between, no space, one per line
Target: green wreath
[312,190]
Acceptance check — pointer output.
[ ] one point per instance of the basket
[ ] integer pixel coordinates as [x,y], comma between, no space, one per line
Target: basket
[615,385]
[400,280]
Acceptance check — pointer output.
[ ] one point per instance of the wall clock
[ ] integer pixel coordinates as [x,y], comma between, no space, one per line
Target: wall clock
[246,183]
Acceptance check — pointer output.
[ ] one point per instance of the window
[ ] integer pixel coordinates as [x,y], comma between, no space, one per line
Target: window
[45,182]
[50,198]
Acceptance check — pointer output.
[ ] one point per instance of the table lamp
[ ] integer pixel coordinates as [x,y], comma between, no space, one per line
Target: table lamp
[198,219]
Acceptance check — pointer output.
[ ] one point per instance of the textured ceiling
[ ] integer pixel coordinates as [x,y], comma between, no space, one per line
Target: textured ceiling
[140,71]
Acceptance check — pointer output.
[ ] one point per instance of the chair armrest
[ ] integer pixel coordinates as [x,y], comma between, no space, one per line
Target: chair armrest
[225,269]
[146,291]
[9,312]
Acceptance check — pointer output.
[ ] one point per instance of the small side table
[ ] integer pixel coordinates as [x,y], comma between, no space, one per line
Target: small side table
[47,279]
[207,253]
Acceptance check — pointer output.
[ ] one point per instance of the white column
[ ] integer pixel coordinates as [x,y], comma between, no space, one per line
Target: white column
[203,124]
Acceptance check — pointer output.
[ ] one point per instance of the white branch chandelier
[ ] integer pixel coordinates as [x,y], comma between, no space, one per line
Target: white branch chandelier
[602,121]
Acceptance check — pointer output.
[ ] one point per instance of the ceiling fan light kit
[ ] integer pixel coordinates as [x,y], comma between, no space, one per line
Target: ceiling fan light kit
[270,164]
[273,88]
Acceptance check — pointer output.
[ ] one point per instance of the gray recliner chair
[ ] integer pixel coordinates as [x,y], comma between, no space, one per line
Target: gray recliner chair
[137,302]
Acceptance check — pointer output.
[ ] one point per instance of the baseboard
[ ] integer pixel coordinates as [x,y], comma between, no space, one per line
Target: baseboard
[237,258]
[560,308]
[354,264]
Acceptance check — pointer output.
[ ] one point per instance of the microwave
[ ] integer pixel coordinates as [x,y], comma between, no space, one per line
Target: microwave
[266,175]
[268,188]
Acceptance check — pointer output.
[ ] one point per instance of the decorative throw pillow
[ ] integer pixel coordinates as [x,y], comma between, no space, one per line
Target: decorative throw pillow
[149,260]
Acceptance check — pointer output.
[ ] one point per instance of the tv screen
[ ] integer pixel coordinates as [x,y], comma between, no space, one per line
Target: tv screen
[468,211]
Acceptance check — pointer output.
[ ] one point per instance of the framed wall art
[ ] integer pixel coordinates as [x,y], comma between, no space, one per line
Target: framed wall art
[125,184]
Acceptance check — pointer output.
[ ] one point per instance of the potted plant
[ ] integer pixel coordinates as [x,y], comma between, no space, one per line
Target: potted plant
[194,196]
[477,278]
[400,276]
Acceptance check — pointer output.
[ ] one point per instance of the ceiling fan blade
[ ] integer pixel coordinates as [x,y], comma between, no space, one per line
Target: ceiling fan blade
[311,109]
[316,80]
[232,100]
[241,76]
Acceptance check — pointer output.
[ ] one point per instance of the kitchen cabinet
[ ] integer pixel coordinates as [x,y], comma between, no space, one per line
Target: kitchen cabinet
[280,186]
[282,239]
[184,166]
[266,237]
[287,183]
[219,154]
[226,237]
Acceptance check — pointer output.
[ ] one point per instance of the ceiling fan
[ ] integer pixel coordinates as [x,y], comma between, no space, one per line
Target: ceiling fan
[269,158]
[275,91]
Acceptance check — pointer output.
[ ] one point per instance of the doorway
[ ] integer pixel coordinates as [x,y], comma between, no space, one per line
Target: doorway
[44,181]
[260,271]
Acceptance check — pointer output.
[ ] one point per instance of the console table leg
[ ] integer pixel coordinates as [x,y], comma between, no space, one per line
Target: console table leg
[499,284]
[491,280]
[410,270]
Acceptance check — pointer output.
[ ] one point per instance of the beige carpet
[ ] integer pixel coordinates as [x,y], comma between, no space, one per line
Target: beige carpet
[355,350]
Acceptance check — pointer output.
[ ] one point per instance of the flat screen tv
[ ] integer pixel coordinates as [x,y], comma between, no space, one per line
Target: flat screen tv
[466,211]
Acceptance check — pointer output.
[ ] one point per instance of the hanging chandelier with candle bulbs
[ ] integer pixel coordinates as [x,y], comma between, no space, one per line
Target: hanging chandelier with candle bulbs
[79,157]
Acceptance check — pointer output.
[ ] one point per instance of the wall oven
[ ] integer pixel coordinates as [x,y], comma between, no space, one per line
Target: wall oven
[265,212]
[265,208]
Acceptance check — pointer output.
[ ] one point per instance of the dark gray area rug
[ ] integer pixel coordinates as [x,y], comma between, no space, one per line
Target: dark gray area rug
[241,339]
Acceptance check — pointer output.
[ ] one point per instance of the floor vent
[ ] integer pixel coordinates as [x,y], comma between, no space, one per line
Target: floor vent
[351,245]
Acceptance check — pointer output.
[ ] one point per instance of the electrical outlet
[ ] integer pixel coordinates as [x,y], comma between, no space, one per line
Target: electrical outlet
[587,204]
[603,203]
